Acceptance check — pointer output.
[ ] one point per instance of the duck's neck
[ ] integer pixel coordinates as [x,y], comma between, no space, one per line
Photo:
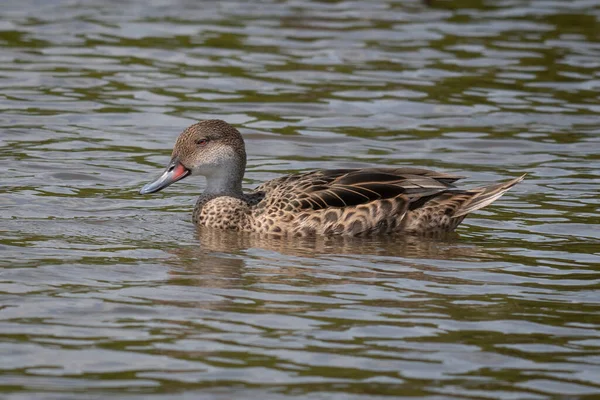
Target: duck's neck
[224,182]
[218,185]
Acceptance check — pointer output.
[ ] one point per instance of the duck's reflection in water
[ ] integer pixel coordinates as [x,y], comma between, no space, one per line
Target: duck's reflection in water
[224,259]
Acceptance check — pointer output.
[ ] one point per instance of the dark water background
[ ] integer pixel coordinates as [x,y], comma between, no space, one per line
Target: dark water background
[107,294]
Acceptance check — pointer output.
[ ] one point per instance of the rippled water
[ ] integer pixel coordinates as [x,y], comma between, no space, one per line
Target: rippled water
[105,293]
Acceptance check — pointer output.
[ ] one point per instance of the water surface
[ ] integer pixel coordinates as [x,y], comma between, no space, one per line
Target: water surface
[105,293]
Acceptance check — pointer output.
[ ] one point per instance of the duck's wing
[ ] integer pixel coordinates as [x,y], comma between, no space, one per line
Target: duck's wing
[350,187]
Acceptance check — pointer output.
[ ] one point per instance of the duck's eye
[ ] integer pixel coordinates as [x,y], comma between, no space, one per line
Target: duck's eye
[201,142]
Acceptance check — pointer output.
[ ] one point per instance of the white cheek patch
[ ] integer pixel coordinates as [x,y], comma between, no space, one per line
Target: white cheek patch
[214,161]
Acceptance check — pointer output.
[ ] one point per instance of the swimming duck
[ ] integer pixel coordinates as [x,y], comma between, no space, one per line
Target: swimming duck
[352,202]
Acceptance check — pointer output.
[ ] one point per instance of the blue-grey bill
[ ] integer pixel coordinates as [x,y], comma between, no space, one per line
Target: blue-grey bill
[175,172]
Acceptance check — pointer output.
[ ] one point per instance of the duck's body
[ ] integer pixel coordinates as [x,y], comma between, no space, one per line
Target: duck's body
[325,202]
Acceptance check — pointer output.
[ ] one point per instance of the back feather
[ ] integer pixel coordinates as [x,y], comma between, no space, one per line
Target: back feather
[343,188]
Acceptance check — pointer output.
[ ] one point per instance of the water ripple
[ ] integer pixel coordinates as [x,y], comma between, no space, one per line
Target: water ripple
[106,293]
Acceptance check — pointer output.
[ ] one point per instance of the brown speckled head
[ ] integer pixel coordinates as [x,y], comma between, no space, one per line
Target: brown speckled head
[209,142]
[211,148]
[216,150]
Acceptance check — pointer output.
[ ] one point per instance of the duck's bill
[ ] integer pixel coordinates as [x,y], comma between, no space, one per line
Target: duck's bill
[174,172]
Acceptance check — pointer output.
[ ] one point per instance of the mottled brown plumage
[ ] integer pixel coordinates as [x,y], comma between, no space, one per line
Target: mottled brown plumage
[326,202]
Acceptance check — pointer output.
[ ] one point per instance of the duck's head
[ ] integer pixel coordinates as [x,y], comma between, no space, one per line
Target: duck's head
[210,148]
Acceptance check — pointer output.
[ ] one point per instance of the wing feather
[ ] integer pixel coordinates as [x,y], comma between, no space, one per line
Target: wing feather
[349,187]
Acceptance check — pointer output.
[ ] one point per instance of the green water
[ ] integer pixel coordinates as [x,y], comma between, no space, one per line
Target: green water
[108,294]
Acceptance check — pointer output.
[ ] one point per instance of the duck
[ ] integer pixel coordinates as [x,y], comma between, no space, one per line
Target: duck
[349,202]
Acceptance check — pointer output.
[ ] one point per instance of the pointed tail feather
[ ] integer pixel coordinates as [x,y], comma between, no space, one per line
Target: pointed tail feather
[485,196]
